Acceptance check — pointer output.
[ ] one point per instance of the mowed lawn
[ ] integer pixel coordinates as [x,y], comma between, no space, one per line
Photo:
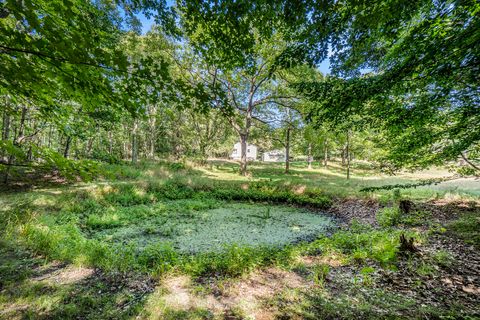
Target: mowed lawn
[332,180]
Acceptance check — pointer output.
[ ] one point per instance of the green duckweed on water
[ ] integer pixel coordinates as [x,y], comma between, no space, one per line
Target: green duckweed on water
[211,229]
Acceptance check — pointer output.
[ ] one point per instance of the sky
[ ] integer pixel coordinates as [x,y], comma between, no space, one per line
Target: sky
[324,67]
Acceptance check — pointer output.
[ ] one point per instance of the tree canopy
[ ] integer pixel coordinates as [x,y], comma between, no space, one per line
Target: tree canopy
[80,81]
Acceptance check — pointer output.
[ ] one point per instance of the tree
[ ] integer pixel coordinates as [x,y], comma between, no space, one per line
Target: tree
[241,92]
[422,92]
[423,88]
[63,62]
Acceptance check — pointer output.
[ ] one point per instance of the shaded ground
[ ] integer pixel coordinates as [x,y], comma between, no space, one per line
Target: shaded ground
[32,288]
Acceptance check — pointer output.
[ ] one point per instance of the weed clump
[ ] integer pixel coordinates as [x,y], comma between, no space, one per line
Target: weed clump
[388,217]
[359,244]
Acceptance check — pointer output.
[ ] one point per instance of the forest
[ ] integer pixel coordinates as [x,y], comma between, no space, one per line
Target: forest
[239,159]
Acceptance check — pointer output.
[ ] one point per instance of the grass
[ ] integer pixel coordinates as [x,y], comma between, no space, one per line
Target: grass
[358,303]
[467,228]
[388,217]
[165,212]
[359,244]
[208,222]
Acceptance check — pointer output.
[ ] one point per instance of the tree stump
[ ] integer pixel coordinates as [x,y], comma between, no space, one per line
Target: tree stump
[406,244]
[405,206]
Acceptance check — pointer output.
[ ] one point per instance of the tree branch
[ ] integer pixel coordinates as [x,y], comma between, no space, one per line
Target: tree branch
[469,162]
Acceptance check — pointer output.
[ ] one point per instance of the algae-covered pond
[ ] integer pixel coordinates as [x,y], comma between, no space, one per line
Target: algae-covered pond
[211,229]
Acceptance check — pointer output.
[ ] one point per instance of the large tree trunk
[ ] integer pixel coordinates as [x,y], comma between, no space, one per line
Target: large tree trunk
[243,154]
[287,150]
[310,158]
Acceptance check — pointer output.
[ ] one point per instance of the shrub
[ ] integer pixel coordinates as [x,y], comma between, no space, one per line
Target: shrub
[158,258]
[106,157]
[388,217]
[360,244]
[443,258]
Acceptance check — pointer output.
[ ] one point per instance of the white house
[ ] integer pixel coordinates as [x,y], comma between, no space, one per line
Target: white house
[237,152]
[274,156]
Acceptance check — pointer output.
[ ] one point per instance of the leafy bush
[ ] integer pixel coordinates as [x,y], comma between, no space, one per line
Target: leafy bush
[272,196]
[106,157]
[359,244]
[388,217]
[443,258]
[418,217]
[175,166]
[158,258]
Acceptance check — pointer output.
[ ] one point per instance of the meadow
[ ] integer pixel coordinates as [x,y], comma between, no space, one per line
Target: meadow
[170,240]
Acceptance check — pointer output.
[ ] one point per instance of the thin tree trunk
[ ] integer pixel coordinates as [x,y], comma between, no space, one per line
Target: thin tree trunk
[325,153]
[16,139]
[310,158]
[125,143]
[90,146]
[152,147]
[21,127]
[153,130]
[243,154]
[67,147]
[134,142]
[38,143]
[287,150]
[6,125]
[49,141]
[348,154]
[110,143]
[6,128]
